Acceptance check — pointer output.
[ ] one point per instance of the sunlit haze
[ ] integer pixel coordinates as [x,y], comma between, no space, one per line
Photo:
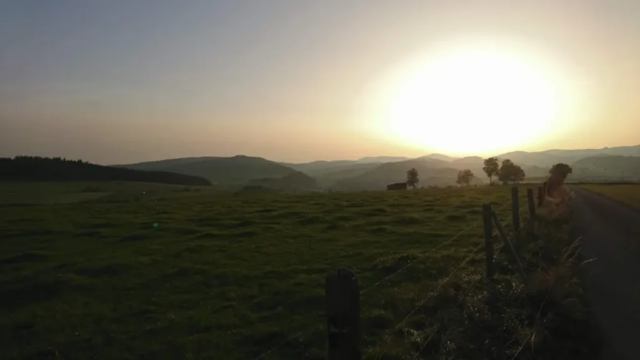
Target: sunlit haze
[473,97]
[127,81]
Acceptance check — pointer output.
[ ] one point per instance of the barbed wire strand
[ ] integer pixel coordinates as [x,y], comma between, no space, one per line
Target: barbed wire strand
[387,337]
[279,346]
[388,277]
[416,260]
[422,346]
[498,249]
[426,253]
[439,286]
[533,333]
[423,301]
[426,342]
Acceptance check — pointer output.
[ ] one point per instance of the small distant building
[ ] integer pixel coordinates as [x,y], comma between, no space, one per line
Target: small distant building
[397,186]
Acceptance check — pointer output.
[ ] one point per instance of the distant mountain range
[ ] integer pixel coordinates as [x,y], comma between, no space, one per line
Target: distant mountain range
[376,172]
[550,157]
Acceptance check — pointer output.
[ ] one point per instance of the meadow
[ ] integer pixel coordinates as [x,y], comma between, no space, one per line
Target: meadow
[50,193]
[179,273]
[624,193]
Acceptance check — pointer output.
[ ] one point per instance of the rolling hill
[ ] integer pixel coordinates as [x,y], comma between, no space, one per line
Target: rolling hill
[316,168]
[28,168]
[295,181]
[432,172]
[164,164]
[329,178]
[621,167]
[375,172]
[549,157]
[438,157]
[381,159]
[219,170]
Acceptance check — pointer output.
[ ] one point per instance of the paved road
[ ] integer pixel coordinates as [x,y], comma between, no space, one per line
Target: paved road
[610,233]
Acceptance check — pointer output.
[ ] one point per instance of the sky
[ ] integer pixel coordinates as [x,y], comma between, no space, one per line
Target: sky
[125,81]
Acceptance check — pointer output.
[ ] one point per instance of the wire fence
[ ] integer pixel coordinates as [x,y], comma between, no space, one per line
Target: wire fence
[444,281]
[387,337]
[426,253]
[279,346]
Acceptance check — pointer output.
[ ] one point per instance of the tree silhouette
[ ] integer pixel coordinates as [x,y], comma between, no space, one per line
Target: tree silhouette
[465,177]
[491,168]
[412,178]
[520,175]
[510,172]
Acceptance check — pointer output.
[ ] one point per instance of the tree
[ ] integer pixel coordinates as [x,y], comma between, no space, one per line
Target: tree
[520,175]
[560,171]
[465,177]
[412,178]
[491,168]
[510,172]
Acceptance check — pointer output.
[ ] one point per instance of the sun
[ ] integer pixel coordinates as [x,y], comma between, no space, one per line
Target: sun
[473,101]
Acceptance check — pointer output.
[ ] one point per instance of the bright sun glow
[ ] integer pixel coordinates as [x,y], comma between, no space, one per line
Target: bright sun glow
[473,101]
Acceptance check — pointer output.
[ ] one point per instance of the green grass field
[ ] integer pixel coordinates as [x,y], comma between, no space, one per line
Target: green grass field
[626,193]
[186,274]
[48,193]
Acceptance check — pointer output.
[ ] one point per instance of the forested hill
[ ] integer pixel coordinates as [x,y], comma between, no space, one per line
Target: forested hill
[28,168]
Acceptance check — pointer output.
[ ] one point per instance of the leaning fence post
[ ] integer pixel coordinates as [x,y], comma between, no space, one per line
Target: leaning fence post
[488,235]
[540,196]
[343,315]
[504,237]
[515,208]
[531,203]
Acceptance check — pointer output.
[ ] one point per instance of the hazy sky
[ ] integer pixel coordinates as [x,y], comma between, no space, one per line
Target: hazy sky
[125,81]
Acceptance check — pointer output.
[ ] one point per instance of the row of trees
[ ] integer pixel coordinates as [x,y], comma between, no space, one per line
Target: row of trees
[506,172]
[510,172]
[465,177]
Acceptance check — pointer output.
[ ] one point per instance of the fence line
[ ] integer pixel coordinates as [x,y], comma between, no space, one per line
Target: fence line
[421,303]
[419,258]
[442,283]
[495,233]
[426,253]
[387,337]
[502,244]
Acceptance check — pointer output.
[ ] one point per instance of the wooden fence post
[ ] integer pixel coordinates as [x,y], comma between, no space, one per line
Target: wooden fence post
[532,204]
[515,208]
[504,237]
[343,315]
[545,186]
[540,196]
[488,235]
